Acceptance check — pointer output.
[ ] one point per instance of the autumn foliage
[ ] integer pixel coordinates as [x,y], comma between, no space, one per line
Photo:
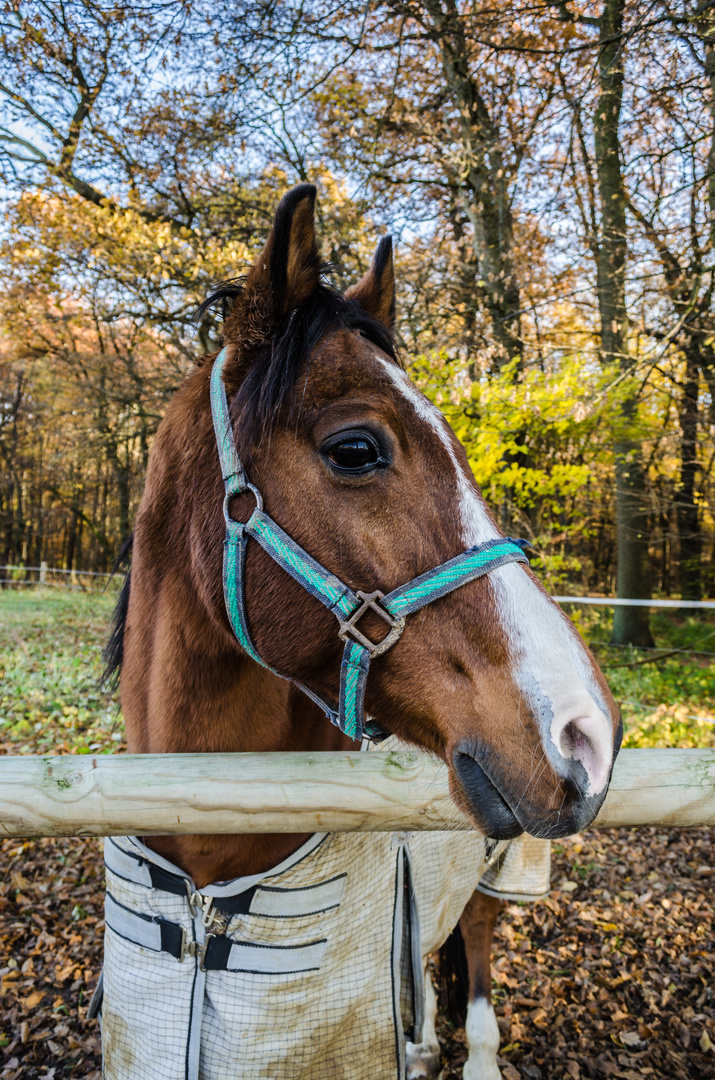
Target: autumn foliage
[547,172]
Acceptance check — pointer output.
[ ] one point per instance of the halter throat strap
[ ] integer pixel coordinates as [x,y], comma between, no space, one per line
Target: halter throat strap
[347,606]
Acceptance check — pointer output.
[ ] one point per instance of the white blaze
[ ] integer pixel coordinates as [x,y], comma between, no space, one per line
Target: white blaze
[476,524]
[550,665]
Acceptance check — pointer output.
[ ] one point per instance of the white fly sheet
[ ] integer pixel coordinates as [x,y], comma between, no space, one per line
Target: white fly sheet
[312,971]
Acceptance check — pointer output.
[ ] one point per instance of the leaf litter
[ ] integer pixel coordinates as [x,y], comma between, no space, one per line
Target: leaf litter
[613,976]
[613,979]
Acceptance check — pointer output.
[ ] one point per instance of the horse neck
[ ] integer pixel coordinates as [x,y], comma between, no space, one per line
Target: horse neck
[187,688]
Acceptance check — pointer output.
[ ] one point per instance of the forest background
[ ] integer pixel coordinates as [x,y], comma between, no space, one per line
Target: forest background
[547,171]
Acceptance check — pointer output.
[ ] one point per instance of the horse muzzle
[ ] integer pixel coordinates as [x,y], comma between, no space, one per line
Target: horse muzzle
[502,813]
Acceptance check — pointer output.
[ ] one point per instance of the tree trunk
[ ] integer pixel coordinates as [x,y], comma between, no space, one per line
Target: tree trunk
[72,533]
[484,198]
[687,508]
[631,625]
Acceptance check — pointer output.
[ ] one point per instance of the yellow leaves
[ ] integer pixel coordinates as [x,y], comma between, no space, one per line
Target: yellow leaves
[539,438]
[54,237]
[65,971]
[679,726]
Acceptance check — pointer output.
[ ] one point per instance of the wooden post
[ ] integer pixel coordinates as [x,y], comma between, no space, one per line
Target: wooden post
[303,792]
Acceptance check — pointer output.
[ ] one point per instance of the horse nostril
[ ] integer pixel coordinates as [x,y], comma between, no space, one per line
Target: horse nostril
[586,740]
[574,743]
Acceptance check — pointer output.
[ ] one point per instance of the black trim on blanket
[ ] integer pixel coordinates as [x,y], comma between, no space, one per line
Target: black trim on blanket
[132,911]
[303,888]
[395,996]
[172,937]
[300,915]
[166,881]
[270,974]
[218,950]
[240,904]
[218,955]
[276,948]
[190,1028]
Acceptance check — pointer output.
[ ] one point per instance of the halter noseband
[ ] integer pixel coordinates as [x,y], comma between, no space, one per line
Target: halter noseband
[347,606]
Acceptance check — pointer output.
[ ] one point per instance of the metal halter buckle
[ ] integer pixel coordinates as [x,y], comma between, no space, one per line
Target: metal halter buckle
[230,494]
[370,603]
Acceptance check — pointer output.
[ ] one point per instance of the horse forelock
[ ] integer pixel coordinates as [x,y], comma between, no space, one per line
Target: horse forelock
[266,366]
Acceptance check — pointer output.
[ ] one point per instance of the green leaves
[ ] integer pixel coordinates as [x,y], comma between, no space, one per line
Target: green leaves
[535,440]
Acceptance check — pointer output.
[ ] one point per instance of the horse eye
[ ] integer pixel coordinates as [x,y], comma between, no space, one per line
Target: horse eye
[354,454]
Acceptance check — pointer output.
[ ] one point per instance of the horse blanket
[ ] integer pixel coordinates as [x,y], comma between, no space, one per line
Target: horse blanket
[312,971]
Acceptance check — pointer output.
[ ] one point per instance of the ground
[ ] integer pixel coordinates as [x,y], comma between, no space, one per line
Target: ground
[612,976]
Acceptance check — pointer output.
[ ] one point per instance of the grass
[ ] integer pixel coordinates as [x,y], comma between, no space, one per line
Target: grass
[50,670]
[666,700]
[51,664]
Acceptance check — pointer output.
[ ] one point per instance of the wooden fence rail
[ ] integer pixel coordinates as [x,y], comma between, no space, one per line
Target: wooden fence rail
[156,794]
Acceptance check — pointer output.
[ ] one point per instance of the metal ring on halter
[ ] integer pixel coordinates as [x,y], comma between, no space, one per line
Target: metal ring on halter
[230,494]
[257,495]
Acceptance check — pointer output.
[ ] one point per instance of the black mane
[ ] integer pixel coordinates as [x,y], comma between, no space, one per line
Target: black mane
[268,390]
[113,652]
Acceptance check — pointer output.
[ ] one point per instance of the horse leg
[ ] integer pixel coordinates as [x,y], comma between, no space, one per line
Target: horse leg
[469,985]
[477,925]
[424,1059]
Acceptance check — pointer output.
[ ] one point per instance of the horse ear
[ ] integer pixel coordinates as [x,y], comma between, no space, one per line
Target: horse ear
[288,270]
[376,291]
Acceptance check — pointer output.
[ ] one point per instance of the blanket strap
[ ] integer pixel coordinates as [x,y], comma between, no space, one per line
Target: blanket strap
[217,952]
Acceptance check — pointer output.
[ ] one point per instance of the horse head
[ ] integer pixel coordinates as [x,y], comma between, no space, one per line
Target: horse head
[365,475]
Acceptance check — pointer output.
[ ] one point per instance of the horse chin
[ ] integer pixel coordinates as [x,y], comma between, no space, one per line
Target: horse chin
[477,794]
[486,806]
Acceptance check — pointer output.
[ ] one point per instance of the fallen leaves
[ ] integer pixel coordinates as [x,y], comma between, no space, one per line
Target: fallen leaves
[44,1033]
[32,1001]
[606,981]
[588,986]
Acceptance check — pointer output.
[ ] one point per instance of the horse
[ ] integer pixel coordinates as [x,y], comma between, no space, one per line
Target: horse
[225,641]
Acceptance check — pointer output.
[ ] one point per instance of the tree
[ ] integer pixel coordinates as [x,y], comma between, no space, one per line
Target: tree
[145,147]
[681,234]
[630,624]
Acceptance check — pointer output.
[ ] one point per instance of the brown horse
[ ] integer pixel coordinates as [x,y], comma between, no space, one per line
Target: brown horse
[363,473]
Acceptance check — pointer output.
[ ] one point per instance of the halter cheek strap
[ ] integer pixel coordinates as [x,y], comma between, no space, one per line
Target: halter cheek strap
[347,606]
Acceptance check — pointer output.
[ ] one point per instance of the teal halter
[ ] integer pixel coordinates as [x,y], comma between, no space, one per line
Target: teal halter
[347,606]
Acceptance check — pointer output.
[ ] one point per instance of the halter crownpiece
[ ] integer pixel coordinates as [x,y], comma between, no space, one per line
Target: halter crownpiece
[347,606]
